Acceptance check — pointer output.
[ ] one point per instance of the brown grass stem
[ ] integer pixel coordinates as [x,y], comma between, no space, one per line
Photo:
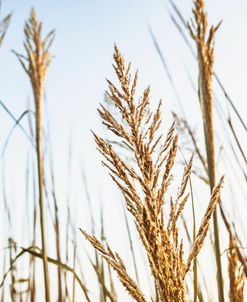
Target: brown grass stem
[205,54]
[35,64]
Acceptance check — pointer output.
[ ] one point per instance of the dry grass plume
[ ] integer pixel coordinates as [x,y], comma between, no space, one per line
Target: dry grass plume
[144,185]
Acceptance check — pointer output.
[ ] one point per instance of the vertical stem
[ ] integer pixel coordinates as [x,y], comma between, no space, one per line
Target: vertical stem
[12,285]
[41,195]
[205,54]
[73,284]
[211,171]
[195,275]
[57,234]
[35,64]
[210,149]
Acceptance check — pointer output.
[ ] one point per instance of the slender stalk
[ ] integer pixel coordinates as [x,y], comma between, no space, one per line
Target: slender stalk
[74,263]
[209,141]
[195,271]
[41,200]
[57,235]
[13,271]
[205,53]
[35,64]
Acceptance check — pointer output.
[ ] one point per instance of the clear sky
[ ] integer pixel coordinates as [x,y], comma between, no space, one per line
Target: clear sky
[85,33]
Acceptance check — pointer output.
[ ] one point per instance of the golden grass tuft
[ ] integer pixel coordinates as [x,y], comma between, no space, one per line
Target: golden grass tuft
[38,57]
[144,186]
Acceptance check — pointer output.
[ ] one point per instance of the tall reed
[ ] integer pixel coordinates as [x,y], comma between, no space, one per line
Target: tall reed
[36,63]
[205,53]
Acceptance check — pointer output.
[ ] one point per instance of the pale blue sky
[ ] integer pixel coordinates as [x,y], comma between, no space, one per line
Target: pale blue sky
[85,33]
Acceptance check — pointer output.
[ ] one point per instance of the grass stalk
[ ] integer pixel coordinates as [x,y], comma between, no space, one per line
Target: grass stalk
[205,54]
[57,235]
[74,264]
[35,64]
[41,203]
[13,271]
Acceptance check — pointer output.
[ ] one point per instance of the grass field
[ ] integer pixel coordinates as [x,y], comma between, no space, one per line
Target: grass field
[162,216]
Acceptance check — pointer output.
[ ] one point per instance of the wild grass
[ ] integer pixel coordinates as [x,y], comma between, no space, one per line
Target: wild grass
[144,185]
[205,53]
[140,157]
[36,63]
